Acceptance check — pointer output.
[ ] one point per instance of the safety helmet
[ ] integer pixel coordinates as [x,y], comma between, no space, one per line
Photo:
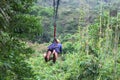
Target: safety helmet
[58,41]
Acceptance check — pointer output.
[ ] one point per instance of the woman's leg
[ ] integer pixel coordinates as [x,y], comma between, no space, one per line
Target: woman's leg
[55,56]
[47,57]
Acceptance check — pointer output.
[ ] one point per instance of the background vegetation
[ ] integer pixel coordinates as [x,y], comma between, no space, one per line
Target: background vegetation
[89,31]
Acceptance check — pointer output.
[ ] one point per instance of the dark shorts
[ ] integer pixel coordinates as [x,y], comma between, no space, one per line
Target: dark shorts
[52,51]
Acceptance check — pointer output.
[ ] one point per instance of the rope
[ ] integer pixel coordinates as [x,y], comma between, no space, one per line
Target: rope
[55,5]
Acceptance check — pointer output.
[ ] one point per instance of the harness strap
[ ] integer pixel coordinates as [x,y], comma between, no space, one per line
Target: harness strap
[55,5]
[54,30]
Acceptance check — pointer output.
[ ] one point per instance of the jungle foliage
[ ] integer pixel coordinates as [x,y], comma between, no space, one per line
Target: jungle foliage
[16,25]
[89,32]
[92,53]
[87,55]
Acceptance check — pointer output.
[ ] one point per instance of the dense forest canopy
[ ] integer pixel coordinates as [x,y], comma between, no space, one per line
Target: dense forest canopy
[69,24]
[89,31]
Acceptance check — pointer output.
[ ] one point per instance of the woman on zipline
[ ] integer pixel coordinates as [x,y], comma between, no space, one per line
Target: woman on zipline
[55,48]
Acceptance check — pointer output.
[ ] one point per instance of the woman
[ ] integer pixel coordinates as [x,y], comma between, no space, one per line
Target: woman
[55,48]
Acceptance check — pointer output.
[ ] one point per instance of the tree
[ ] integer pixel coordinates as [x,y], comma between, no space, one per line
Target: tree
[16,24]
